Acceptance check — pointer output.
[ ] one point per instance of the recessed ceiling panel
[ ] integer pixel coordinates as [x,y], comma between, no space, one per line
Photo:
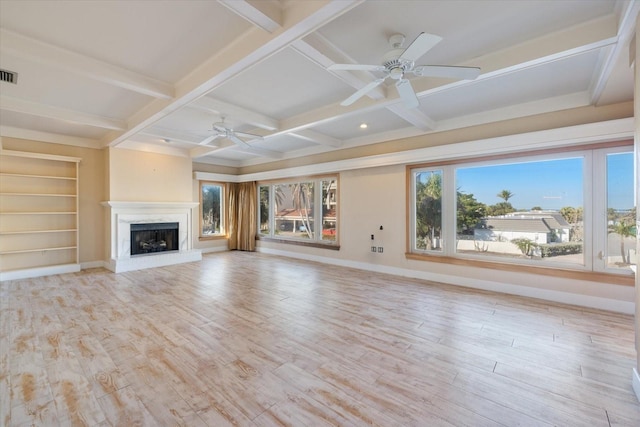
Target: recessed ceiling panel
[377,121]
[284,143]
[557,78]
[469,28]
[43,124]
[284,85]
[40,83]
[160,39]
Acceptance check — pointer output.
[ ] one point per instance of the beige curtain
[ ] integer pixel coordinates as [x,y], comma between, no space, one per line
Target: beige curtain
[243,216]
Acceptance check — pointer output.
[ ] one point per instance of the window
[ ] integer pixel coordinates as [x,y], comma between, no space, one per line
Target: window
[621,211]
[212,221]
[569,209]
[428,210]
[300,210]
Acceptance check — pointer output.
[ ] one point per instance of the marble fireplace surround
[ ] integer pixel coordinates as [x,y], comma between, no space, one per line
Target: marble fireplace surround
[123,214]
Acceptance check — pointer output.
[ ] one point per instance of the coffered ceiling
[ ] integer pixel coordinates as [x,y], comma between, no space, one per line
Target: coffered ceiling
[156,76]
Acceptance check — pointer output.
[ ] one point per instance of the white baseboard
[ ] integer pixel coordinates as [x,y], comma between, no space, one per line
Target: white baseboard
[92,264]
[162,259]
[601,303]
[38,272]
[214,249]
[635,382]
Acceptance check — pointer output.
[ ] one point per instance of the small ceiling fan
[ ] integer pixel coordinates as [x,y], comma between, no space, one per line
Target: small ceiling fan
[222,131]
[398,62]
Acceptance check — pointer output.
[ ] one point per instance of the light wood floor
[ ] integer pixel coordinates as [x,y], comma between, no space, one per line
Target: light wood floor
[255,340]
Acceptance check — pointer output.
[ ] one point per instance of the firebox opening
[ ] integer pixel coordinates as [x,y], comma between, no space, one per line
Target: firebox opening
[154,237]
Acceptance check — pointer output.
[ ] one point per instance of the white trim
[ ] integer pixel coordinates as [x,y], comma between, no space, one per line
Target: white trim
[626,307]
[141,262]
[149,205]
[92,264]
[42,156]
[38,272]
[635,383]
[213,249]
[561,137]
[219,177]
[53,138]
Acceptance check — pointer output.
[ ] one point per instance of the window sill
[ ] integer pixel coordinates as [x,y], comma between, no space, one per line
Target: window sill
[592,276]
[300,243]
[213,237]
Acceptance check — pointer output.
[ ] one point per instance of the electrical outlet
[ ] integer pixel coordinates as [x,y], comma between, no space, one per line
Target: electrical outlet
[373,248]
[380,249]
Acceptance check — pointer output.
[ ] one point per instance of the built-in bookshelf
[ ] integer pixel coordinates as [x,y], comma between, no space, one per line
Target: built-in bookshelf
[38,214]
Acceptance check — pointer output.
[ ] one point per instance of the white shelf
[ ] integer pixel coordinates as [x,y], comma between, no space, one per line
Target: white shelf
[38,194]
[8,233]
[40,218]
[26,251]
[38,213]
[22,175]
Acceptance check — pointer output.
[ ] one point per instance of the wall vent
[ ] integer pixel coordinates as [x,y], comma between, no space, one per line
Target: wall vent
[8,76]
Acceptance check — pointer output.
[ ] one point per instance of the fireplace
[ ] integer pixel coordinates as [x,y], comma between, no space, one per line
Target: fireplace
[154,237]
[128,218]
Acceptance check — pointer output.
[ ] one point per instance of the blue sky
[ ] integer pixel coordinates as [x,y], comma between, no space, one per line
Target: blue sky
[619,188]
[550,184]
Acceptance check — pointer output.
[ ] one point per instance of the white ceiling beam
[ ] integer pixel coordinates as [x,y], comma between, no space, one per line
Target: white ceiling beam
[171,135]
[302,18]
[322,52]
[220,108]
[626,29]
[262,152]
[265,14]
[316,137]
[42,110]
[202,151]
[44,53]
[414,116]
[167,149]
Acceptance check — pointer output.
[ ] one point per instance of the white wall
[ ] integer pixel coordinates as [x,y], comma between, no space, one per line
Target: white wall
[371,196]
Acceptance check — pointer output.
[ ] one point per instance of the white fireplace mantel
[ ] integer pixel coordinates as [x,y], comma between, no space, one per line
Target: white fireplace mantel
[123,214]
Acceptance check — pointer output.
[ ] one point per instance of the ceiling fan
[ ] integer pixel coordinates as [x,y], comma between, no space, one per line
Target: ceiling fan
[398,62]
[222,131]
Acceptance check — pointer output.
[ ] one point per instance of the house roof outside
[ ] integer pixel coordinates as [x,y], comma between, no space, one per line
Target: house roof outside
[527,225]
[528,222]
[297,214]
[554,219]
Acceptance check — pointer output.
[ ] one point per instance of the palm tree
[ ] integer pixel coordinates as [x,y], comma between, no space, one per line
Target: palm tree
[429,209]
[302,195]
[624,228]
[505,194]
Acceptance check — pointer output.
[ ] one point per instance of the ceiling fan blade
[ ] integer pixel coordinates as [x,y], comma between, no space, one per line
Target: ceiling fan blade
[423,43]
[447,71]
[407,94]
[238,141]
[363,91]
[353,67]
[248,135]
[209,139]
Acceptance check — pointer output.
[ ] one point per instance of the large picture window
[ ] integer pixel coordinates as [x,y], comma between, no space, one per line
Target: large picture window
[212,220]
[570,209]
[300,210]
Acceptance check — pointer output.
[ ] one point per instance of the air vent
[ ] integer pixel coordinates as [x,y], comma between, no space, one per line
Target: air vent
[8,76]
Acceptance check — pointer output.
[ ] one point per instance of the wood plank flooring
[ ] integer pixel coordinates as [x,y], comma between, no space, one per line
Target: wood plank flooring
[249,339]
